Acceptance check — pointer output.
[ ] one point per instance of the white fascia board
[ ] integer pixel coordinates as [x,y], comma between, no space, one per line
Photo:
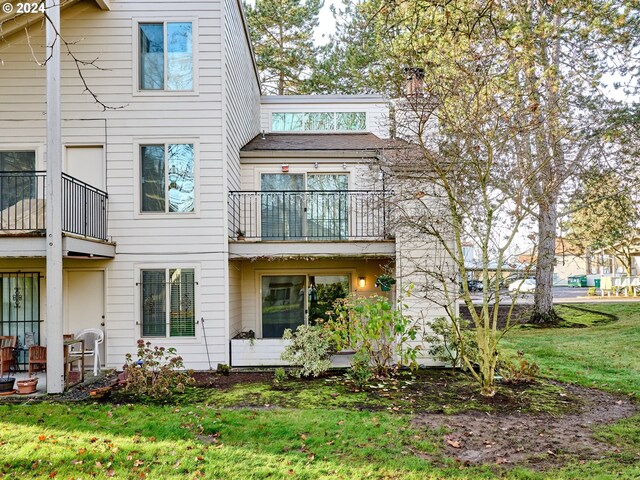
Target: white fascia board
[262,156]
[306,99]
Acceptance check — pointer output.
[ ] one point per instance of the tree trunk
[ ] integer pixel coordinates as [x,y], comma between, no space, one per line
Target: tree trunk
[543,299]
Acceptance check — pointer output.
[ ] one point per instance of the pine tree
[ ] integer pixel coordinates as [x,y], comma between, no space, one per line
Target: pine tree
[282,36]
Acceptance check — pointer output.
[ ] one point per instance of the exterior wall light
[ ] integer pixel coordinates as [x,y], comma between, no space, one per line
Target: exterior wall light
[362,282]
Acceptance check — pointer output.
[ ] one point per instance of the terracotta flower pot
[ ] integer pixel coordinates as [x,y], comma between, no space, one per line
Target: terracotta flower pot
[27,386]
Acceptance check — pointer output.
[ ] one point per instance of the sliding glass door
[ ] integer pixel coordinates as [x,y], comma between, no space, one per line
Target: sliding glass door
[282,206]
[327,206]
[289,301]
[293,207]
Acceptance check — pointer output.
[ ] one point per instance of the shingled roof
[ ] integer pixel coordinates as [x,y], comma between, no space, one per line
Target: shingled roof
[314,141]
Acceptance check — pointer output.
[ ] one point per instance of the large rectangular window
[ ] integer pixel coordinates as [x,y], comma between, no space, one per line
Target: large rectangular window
[168,299]
[167,178]
[166,56]
[319,121]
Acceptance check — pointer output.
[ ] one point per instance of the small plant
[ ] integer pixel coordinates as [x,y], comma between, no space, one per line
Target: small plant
[360,371]
[240,234]
[451,340]
[310,349]
[223,369]
[518,370]
[591,291]
[385,281]
[375,326]
[157,373]
[279,377]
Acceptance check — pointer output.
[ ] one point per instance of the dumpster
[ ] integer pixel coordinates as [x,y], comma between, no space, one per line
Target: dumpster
[596,282]
[577,281]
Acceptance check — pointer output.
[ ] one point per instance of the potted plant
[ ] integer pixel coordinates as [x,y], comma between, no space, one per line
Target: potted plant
[6,385]
[385,282]
[27,386]
[240,235]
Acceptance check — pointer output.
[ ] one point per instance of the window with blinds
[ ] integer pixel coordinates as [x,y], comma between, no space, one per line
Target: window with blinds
[168,302]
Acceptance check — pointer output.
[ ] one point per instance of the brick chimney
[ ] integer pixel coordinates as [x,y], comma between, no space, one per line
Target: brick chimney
[414,82]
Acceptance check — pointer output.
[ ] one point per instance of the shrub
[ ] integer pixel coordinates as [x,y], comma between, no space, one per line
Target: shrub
[450,340]
[223,369]
[279,377]
[360,371]
[591,291]
[157,373]
[374,326]
[310,350]
[518,370]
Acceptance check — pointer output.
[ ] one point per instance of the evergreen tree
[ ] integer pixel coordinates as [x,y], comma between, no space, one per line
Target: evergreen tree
[282,36]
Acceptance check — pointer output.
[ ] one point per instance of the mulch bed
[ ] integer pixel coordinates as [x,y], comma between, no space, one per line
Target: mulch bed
[538,441]
[520,315]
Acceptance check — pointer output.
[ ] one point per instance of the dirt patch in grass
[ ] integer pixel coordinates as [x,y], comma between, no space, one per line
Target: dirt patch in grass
[216,380]
[520,315]
[538,441]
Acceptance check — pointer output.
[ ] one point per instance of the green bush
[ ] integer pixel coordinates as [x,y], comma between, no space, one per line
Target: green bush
[451,340]
[591,291]
[372,325]
[310,350]
[360,370]
[279,377]
[518,370]
[157,373]
[223,369]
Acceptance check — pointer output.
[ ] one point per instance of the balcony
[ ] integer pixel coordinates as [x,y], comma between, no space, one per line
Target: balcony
[347,219]
[22,213]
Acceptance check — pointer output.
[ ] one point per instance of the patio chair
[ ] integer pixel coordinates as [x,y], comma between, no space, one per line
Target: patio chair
[92,337]
[37,358]
[6,360]
[8,341]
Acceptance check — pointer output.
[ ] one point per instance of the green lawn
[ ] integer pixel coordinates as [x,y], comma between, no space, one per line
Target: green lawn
[316,436]
[605,355]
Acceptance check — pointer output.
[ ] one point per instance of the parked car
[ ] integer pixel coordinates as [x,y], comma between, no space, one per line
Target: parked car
[475,285]
[525,285]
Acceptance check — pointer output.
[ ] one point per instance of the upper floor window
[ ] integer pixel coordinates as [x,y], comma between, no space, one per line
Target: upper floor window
[167,174]
[318,121]
[17,181]
[166,56]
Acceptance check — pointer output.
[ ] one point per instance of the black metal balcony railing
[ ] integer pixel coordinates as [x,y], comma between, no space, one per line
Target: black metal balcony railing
[309,215]
[22,205]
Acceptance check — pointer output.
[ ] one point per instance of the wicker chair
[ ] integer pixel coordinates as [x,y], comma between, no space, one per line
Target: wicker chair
[37,359]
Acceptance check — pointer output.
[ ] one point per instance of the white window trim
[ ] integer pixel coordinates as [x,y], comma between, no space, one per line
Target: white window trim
[171,341]
[135,48]
[137,187]
[258,274]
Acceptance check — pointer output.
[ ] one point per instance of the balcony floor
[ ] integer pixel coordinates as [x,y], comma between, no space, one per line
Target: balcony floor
[33,245]
[248,249]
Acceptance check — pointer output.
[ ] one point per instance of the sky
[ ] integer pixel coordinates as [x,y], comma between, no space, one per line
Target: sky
[326,23]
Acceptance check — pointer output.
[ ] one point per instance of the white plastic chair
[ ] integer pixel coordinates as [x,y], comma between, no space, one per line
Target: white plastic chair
[92,337]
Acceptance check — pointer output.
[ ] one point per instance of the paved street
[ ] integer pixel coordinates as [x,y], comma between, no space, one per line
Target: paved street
[560,295]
